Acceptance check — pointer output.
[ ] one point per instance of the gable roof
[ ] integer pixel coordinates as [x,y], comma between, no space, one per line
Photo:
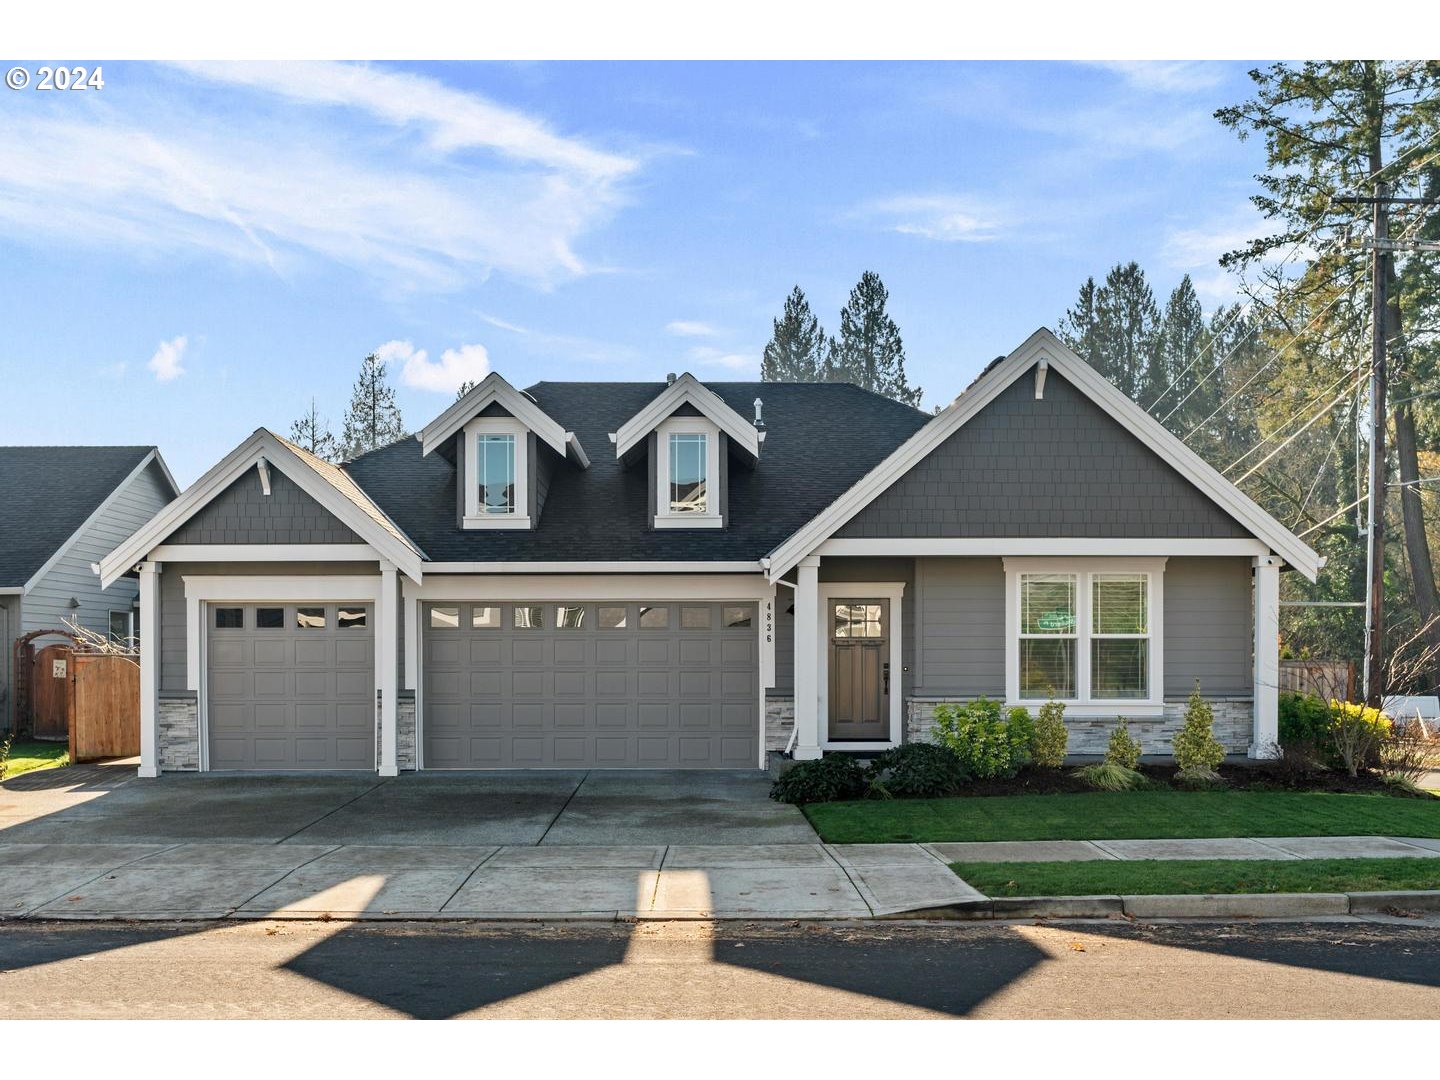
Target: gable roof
[1044,349]
[51,493]
[327,484]
[821,439]
[687,390]
[494,390]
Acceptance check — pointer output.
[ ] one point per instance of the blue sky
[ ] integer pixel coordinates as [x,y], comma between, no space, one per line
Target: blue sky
[197,250]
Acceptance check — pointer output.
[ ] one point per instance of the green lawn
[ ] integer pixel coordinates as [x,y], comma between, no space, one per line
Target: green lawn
[27,756]
[1122,815]
[1107,878]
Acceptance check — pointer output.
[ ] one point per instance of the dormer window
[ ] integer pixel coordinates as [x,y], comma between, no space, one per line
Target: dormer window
[686,473]
[497,474]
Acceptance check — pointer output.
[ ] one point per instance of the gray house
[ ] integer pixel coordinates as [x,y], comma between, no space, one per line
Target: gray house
[690,575]
[63,508]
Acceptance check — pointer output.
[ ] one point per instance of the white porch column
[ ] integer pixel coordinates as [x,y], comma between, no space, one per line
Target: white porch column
[387,627]
[1265,740]
[149,669]
[807,659]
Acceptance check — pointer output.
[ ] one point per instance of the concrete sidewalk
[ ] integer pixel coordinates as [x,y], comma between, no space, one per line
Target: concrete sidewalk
[1265,847]
[299,880]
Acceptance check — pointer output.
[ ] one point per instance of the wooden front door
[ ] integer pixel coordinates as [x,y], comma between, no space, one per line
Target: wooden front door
[859,692]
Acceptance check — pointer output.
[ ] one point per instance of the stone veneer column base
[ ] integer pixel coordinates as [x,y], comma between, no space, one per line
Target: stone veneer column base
[779,722]
[179,736]
[1234,720]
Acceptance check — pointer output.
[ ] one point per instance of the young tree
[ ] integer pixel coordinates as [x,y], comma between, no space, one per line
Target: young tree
[464,388]
[312,432]
[798,346]
[1332,129]
[868,351]
[373,419]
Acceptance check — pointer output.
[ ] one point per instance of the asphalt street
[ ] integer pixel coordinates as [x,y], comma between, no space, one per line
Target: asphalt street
[702,970]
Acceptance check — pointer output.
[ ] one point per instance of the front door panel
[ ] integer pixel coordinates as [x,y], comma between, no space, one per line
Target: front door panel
[859,691]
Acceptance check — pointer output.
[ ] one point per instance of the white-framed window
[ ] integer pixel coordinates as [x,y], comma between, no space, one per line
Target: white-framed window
[1088,631]
[496,474]
[687,474]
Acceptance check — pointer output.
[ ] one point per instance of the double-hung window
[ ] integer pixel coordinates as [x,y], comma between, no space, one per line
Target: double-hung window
[1085,630]
[689,492]
[496,474]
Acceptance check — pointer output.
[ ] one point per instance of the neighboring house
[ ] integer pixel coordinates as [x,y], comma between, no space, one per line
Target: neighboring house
[61,509]
[681,575]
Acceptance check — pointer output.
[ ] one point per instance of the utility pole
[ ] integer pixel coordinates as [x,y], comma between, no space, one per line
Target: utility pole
[1382,247]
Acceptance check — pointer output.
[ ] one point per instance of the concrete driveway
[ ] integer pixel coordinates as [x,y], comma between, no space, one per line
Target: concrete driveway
[107,805]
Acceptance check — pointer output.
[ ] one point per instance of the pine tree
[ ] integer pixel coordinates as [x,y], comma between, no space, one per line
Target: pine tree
[868,351]
[1177,364]
[798,347]
[1126,323]
[464,388]
[312,432]
[1078,329]
[373,419]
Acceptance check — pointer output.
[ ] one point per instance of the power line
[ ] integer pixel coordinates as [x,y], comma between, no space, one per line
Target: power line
[1309,424]
[1321,524]
[1296,416]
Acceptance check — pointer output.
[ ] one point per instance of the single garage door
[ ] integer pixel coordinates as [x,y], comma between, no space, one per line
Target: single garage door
[291,686]
[591,685]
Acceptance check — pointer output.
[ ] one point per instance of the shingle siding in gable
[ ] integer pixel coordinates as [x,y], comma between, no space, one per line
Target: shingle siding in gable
[1058,467]
[244,514]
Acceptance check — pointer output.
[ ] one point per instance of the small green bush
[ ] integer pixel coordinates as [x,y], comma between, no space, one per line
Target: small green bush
[1020,729]
[1197,752]
[1122,749]
[918,770]
[1304,720]
[989,745]
[1051,738]
[1109,776]
[828,779]
[1356,735]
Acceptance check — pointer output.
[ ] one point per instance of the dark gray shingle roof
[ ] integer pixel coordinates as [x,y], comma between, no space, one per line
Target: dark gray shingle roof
[46,493]
[821,438]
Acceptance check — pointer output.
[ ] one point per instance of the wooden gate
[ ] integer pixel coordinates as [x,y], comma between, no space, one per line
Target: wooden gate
[104,707]
[50,692]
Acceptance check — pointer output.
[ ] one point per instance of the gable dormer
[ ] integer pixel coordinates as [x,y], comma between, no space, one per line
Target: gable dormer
[686,435]
[504,447]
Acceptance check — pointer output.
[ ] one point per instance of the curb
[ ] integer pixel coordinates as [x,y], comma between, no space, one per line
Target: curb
[1187,906]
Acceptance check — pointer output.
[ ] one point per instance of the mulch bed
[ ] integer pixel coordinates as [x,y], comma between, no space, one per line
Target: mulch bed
[1260,776]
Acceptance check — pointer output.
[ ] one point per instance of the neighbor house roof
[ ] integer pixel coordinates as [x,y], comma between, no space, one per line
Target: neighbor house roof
[48,492]
[820,439]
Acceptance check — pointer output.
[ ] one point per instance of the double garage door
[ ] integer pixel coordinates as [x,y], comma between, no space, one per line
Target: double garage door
[641,685]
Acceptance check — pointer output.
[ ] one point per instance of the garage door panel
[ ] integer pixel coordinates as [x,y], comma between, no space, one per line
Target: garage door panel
[680,692]
[286,697]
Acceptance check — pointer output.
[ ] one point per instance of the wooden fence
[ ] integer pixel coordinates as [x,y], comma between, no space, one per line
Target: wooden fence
[1325,678]
[104,706]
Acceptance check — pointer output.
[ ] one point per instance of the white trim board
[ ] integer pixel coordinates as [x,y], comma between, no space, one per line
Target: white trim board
[261,444]
[105,504]
[593,587]
[1041,546]
[440,568]
[1043,345]
[894,593]
[687,390]
[265,553]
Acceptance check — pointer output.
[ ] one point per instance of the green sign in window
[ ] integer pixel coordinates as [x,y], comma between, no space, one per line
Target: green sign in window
[1057,619]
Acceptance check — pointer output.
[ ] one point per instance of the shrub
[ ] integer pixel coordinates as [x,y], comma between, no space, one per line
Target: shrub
[917,770]
[1356,732]
[989,745]
[1197,752]
[1405,755]
[836,776]
[5,745]
[1304,719]
[1110,776]
[1122,749]
[1051,738]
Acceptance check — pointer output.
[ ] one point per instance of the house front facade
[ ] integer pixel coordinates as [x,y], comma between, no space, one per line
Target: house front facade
[61,508]
[695,576]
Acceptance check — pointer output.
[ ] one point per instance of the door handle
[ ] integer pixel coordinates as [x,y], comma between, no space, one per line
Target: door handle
[886,669]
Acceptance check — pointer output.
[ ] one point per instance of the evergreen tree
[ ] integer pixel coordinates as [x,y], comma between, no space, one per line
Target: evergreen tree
[373,419]
[1175,370]
[868,351]
[464,388]
[798,346]
[312,432]
[1079,329]
[1126,321]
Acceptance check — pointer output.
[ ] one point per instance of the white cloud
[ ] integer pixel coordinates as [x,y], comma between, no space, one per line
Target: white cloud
[166,361]
[395,175]
[731,361]
[946,218]
[684,328]
[468,363]
[1168,76]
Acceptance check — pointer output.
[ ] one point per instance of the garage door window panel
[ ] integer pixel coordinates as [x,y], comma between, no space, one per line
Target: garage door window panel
[484,617]
[270,618]
[229,618]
